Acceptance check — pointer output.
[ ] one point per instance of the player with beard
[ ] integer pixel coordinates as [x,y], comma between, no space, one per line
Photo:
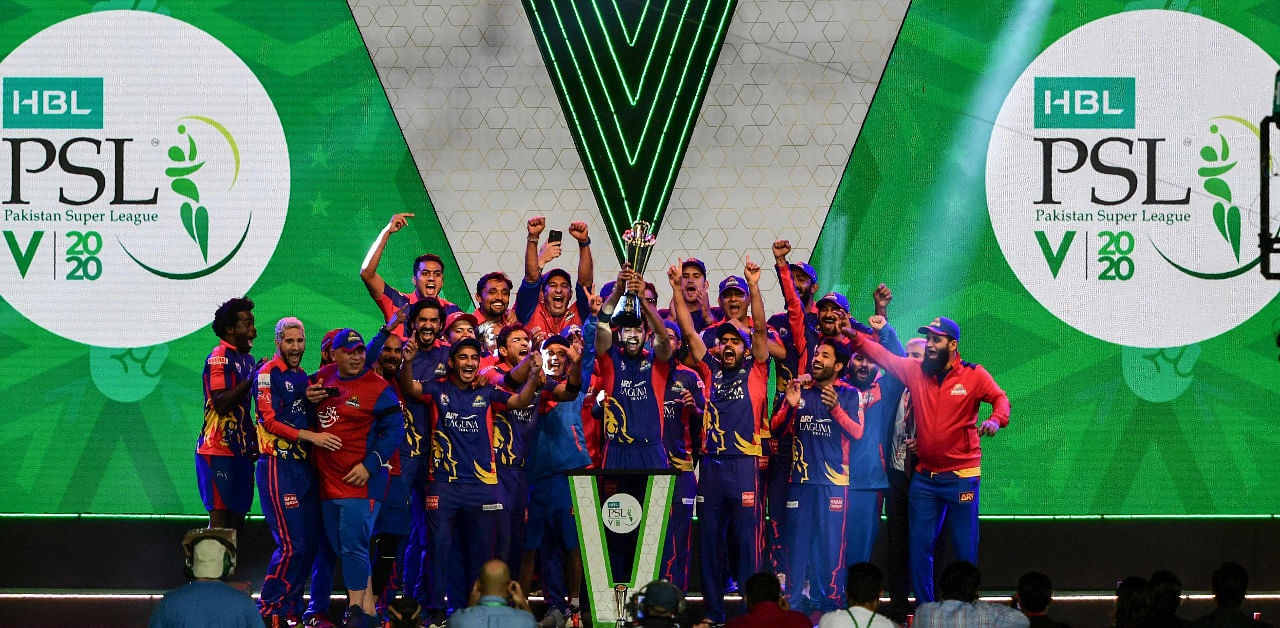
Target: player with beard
[286,481]
[228,443]
[867,477]
[363,411]
[513,431]
[428,277]
[693,289]
[543,300]
[464,501]
[682,410]
[729,512]
[945,395]
[394,521]
[493,294]
[817,498]
[634,381]
[778,446]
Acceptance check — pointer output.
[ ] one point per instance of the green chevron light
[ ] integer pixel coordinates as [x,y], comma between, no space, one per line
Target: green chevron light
[631,89]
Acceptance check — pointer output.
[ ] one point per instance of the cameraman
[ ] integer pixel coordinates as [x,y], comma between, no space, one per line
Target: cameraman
[207,601]
[492,599]
[655,606]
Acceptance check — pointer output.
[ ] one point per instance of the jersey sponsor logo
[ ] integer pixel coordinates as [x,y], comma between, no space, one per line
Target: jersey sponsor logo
[353,401]
[328,417]
[687,501]
[793,503]
[433,502]
[290,500]
[748,499]
[959,391]
[966,497]
[835,504]
[441,371]
[490,507]
[478,402]
[288,386]
[264,379]
[444,399]
[217,359]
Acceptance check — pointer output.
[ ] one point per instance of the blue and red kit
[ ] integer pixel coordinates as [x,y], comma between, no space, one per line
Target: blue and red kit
[286,485]
[228,443]
[729,512]
[680,434]
[817,498]
[367,416]
[636,390]
[465,505]
[946,483]
[428,364]
[513,435]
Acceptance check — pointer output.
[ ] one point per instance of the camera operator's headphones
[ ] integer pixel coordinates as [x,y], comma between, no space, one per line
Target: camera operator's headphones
[225,536]
[637,606]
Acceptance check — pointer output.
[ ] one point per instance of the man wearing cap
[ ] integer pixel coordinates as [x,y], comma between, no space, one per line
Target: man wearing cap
[729,512]
[543,301]
[286,482]
[366,415]
[945,395]
[682,410]
[514,428]
[322,566]
[658,606]
[464,502]
[693,289]
[560,445]
[228,443]
[825,417]
[428,277]
[634,381]
[207,601]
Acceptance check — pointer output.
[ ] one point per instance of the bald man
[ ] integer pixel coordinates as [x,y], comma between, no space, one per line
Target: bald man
[496,600]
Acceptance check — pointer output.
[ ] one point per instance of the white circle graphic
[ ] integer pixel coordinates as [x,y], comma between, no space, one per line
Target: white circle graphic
[621,513]
[101,249]
[1106,204]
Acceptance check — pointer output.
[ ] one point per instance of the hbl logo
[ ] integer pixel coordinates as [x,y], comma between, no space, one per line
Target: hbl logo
[52,103]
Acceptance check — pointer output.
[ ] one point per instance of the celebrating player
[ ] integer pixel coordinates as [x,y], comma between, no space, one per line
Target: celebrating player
[945,395]
[543,300]
[729,484]
[228,442]
[428,276]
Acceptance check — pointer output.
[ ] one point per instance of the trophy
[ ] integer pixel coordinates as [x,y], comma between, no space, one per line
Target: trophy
[620,602]
[638,242]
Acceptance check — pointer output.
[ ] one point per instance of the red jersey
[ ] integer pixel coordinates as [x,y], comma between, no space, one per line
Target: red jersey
[946,409]
[368,417]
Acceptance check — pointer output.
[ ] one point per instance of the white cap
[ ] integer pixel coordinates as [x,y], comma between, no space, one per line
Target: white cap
[208,559]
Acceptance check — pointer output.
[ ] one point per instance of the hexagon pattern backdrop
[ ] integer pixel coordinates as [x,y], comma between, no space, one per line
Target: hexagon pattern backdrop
[782,111]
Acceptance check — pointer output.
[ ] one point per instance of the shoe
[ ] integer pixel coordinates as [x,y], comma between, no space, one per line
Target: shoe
[354,618]
[553,619]
[316,621]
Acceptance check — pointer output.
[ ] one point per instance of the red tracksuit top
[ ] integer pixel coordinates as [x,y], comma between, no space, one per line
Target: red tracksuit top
[946,412]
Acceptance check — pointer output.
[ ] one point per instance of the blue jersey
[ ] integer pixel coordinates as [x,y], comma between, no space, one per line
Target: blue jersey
[513,429]
[735,419]
[868,456]
[821,436]
[283,409]
[679,433]
[635,389]
[462,430]
[560,443]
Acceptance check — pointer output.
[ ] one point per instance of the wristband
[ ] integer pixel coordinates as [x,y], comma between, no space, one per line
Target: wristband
[586,242]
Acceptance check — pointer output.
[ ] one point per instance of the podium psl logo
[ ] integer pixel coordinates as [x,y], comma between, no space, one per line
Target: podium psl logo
[1119,180]
[133,184]
[621,513]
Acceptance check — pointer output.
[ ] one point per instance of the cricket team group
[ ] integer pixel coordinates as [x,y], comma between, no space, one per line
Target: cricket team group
[421,450]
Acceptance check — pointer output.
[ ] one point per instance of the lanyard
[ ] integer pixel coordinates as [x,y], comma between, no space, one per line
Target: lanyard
[853,619]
